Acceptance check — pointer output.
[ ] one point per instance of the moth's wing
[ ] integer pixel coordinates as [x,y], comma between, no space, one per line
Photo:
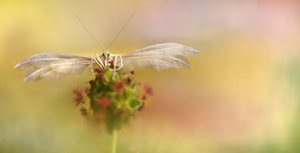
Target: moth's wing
[160,56]
[53,66]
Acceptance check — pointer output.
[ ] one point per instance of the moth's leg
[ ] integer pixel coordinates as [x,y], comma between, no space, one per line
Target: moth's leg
[98,61]
[121,62]
[115,65]
[106,58]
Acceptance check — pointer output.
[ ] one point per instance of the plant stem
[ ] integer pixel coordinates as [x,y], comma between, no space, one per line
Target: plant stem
[114,141]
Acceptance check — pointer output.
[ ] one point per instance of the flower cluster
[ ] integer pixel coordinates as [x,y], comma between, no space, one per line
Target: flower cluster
[112,98]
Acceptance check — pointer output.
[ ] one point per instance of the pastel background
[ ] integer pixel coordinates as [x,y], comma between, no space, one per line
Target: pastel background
[241,95]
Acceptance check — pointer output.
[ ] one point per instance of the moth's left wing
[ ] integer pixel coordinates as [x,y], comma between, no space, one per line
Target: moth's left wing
[50,65]
[160,56]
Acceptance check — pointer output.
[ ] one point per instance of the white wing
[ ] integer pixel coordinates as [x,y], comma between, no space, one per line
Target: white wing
[160,56]
[53,66]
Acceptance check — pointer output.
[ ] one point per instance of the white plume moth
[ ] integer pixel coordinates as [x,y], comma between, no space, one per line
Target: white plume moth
[159,57]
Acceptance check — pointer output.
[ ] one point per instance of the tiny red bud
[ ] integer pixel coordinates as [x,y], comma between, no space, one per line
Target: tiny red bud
[103,102]
[141,107]
[118,87]
[99,74]
[78,96]
[148,90]
[98,71]
[144,97]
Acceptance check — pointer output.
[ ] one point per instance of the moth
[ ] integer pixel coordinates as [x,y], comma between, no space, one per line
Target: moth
[159,56]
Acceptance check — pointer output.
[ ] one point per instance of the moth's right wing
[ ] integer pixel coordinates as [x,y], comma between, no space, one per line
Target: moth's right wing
[159,56]
[51,65]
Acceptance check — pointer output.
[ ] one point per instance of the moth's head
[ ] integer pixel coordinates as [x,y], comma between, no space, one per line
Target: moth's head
[106,54]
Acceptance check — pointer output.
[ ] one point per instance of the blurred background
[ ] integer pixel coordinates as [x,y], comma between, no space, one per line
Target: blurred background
[242,94]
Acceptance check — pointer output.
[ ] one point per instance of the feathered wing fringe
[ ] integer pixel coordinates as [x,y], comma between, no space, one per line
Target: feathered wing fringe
[160,56]
[53,66]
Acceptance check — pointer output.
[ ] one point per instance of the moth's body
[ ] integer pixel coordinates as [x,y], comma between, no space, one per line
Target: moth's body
[108,61]
[158,57]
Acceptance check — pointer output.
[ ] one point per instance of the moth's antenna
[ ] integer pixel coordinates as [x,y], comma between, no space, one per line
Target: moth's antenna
[122,29]
[86,29]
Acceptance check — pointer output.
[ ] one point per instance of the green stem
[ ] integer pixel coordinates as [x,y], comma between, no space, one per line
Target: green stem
[114,141]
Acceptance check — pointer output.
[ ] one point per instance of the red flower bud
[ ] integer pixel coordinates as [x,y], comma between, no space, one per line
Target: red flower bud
[98,71]
[148,90]
[99,74]
[141,107]
[78,96]
[144,97]
[103,102]
[118,87]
